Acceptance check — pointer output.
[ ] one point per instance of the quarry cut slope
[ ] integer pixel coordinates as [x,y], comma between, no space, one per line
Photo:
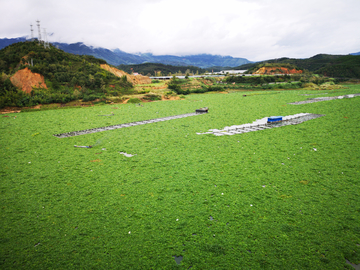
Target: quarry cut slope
[276,70]
[138,79]
[27,80]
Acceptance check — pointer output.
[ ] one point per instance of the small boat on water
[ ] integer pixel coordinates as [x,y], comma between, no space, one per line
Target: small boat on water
[273,119]
[202,110]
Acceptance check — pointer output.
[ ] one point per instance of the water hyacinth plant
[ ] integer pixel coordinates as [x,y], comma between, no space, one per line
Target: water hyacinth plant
[283,198]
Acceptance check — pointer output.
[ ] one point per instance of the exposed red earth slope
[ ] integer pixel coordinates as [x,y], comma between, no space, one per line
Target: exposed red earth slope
[138,79]
[26,80]
[276,70]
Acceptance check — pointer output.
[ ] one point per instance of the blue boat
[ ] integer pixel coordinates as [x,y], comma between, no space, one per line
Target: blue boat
[273,119]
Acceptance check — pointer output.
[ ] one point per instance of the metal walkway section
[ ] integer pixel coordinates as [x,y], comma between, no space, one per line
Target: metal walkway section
[318,99]
[262,124]
[94,130]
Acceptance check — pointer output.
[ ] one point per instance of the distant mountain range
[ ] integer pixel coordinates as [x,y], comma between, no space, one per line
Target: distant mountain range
[117,57]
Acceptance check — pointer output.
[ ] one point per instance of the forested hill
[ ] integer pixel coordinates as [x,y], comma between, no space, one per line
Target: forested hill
[67,76]
[156,69]
[11,57]
[340,66]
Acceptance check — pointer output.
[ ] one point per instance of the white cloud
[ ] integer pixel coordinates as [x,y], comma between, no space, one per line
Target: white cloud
[256,29]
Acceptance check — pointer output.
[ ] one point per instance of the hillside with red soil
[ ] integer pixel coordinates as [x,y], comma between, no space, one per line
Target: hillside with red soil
[277,70]
[26,80]
[138,79]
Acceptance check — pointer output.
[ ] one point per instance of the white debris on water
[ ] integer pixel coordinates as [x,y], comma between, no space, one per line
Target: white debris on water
[127,155]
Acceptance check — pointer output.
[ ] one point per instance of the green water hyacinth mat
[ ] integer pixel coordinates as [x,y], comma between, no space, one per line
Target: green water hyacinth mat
[285,198]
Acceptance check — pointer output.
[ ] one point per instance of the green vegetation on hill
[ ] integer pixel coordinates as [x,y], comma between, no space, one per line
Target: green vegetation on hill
[156,69]
[311,64]
[68,77]
[347,66]
[294,81]
[260,82]
[194,86]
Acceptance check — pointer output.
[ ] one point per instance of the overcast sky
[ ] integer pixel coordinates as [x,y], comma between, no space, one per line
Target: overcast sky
[252,29]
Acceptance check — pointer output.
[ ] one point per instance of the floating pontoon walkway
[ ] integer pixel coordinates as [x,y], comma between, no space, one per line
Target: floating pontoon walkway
[318,99]
[262,124]
[100,129]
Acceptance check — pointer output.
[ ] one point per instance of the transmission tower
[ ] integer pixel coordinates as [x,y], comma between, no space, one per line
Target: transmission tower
[46,43]
[32,32]
[39,31]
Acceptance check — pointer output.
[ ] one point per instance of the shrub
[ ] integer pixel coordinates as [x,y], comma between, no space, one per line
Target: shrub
[174,86]
[327,84]
[11,99]
[89,97]
[212,79]
[169,94]
[152,97]
[134,100]
[215,88]
[116,100]
[177,89]
[200,90]
[310,85]
[6,85]
[143,91]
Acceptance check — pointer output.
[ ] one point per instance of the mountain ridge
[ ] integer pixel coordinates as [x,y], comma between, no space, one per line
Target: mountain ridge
[118,57]
[339,66]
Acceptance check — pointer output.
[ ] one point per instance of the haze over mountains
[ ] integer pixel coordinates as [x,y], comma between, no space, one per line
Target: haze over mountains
[117,57]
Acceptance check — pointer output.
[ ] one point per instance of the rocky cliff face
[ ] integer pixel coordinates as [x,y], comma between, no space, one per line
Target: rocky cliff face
[26,80]
[276,70]
[139,79]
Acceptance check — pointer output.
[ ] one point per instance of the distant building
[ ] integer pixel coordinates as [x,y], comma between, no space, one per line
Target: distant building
[232,71]
[223,72]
